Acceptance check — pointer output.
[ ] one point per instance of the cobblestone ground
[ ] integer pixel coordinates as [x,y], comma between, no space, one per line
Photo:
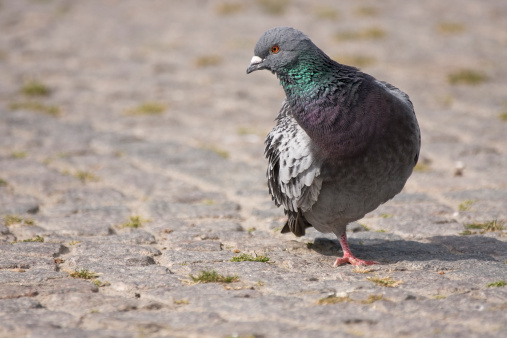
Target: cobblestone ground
[131,157]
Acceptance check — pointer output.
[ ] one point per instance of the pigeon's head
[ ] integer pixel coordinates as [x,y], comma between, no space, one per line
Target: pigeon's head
[278,48]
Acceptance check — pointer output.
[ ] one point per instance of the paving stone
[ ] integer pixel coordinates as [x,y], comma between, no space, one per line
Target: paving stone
[194,174]
[18,305]
[11,204]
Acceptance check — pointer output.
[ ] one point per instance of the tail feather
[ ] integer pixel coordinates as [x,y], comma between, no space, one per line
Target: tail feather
[296,223]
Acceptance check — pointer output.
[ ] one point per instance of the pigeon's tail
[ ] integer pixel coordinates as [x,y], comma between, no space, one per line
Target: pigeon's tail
[296,223]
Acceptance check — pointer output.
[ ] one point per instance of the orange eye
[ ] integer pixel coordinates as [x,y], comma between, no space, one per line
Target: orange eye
[275,49]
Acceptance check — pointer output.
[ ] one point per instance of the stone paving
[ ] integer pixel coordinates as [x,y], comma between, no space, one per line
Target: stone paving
[131,159]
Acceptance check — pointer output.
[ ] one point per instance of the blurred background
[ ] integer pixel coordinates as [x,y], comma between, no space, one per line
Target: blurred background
[161,70]
[131,142]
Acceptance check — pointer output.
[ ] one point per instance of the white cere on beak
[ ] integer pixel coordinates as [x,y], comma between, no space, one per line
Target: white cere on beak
[255,60]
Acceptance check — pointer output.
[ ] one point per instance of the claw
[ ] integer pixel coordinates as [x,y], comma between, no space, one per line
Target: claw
[352,260]
[348,257]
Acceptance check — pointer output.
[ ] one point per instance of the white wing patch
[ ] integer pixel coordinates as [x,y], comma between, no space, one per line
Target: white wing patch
[294,169]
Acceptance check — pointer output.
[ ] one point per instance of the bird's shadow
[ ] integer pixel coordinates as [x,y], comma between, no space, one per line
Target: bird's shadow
[439,248]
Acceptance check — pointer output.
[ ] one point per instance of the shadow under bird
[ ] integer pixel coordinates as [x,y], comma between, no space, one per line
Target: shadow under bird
[343,143]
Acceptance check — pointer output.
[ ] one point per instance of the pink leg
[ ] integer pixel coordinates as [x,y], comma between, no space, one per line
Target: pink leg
[348,257]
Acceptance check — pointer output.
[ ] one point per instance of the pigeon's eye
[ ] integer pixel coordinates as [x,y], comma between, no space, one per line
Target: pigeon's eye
[275,49]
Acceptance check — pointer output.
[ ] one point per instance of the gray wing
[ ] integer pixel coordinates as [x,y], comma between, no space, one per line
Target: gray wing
[294,169]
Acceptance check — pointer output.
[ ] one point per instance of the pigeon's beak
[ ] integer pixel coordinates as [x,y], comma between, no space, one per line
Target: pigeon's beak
[255,64]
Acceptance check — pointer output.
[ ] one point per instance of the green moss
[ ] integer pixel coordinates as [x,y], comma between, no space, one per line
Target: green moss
[466,77]
[135,222]
[208,201]
[3,183]
[35,239]
[83,274]
[361,269]
[498,284]
[333,300]
[365,228]
[372,33]
[85,176]
[16,219]
[503,116]
[381,230]
[466,205]
[147,108]
[74,243]
[385,281]
[18,154]
[422,167]
[208,61]
[211,276]
[372,299]
[450,28]
[273,7]
[439,297]
[35,88]
[386,215]
[37,107]
[489,226]
[250,258]
[252,229]
[326,13]
[366,11]
[228,8]
[180,301]
[220,152]
[355,60]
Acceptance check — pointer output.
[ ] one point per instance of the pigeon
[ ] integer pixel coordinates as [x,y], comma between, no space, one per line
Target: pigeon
[344,142]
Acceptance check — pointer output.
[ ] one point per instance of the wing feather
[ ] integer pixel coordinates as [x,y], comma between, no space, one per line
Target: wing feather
[293,172]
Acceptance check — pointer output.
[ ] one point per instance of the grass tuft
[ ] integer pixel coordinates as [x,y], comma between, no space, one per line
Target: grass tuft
[147,108]
[494,225]
[326,13]
[361,269]
[250,258]
[372,299]
[367,11]
[228,8]
[450,28]
[466,205]
[355,60]
[273,7]
[135,222]
[422,167]
[37,107]
[386,281]
[16,219]
[83,274]
[333,300]
[372,33]
[85,176]
[466,77]
[208,61]
[35,239]
[18,154]
[35,88]
[211,276]
[498,284]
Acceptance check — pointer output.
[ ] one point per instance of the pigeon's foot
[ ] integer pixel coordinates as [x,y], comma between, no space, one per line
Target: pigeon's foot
[348,257]
[352,260]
